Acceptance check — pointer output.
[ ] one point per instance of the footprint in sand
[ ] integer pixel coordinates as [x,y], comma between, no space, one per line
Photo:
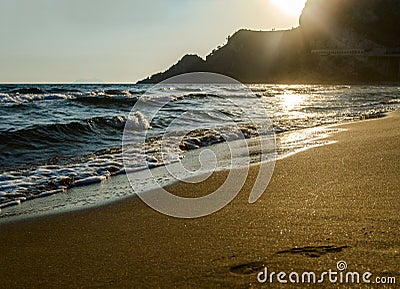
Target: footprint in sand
[314,251]
[308,251]
[247,268]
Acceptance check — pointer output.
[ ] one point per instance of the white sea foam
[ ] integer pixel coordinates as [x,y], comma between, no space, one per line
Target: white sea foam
[90,180]
[137,122]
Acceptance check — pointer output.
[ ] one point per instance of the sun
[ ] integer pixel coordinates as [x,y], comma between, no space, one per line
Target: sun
[289,7]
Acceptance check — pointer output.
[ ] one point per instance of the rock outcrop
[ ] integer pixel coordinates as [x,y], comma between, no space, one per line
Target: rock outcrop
[347,41]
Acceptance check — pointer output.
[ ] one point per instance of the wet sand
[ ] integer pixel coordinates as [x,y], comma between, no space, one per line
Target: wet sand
[323,205]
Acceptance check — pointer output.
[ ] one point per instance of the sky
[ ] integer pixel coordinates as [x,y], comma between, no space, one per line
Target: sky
[122,40]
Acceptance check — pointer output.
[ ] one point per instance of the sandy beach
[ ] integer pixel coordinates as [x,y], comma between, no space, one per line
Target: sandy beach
[323,205]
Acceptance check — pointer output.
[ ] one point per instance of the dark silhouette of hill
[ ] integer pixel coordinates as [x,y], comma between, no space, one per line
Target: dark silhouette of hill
[346,41]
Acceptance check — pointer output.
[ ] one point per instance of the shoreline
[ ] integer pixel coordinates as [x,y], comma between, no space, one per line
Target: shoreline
[51,171]
[329,203]
[50,206]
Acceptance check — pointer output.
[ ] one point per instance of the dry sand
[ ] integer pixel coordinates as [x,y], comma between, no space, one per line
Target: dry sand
[331,203]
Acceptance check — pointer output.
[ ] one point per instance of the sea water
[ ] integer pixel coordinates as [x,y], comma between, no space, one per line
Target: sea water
[54,137]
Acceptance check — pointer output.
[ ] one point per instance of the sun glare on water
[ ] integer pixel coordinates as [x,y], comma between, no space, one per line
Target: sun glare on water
[289,7]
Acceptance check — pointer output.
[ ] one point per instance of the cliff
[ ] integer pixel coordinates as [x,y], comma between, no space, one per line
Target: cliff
[374,20]
[337,41]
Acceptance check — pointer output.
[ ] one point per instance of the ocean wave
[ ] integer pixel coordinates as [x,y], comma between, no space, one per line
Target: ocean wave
[20,185]
[97,98]
[6,98]
[28,90]
[40,89]
[45,180]
[106,101]
[63,90]
[116,92]
[84,94]
[37,136]
[63,142]
[195,95]
[189,89]
[207,137]
[102,97]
